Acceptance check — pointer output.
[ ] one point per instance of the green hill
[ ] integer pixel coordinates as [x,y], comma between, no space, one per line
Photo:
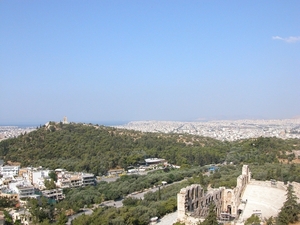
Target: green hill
[82,147]
[96,149]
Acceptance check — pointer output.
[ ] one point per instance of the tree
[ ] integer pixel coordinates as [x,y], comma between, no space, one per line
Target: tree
[270,221]
[40,210]
[211,218]
[7,202]
[201,179]
[8,218]
[290,209]
[62,219]
[130,201]
[53,176]
[254,219]
[45,222]
[18,222]
[49,184]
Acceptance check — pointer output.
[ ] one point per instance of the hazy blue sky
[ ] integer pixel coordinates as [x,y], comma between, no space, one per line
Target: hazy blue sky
[148,60]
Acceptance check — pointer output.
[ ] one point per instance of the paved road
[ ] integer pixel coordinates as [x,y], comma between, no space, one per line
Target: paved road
[168,219]
[84,211]
[140,195]
[116,204]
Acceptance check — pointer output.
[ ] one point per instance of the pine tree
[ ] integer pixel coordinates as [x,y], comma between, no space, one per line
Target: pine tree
[254,219]
[290,209]
[270,221]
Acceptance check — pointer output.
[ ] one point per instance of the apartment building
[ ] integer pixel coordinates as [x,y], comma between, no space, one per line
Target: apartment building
[36,175]
[22,188]
[87,179]
[25,191]
[56,194]
[9,170]
[67,179]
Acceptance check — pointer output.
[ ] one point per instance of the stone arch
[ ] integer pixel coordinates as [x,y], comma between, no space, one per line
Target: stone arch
[229,194]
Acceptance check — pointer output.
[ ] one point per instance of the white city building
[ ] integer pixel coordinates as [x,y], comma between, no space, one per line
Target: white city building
[7,171]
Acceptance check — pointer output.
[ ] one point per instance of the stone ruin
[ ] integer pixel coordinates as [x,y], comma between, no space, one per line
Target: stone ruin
[193,203]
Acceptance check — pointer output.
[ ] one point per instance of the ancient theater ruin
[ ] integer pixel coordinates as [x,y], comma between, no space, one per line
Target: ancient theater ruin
[247,198]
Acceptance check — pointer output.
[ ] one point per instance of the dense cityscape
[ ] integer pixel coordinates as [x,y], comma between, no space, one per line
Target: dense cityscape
[229,130]
[13,131]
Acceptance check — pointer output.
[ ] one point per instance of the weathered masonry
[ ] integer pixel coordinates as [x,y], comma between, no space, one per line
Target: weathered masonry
[193,203]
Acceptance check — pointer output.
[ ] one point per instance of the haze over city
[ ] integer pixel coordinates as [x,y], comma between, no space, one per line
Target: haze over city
[148,60]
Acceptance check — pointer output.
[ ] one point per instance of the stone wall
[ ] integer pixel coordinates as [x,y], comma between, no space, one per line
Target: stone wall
[188,201]
[192,202]
[232,197]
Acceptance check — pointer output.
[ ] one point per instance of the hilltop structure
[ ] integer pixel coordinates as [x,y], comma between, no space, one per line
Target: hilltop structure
[65,120]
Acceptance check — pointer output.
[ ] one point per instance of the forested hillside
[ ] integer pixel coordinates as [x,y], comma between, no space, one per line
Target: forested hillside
[96,149]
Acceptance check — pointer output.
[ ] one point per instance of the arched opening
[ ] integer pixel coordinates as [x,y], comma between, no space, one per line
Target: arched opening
[240,212]
[229,209]
[229,194]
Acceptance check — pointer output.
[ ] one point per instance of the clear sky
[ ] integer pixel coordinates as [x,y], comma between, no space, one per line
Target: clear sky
[123,60]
